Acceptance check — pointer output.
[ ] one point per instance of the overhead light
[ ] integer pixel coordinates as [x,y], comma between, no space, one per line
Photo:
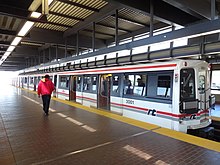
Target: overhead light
[6,54]
[16,41]
[10,48]
[35,14]
[27,26]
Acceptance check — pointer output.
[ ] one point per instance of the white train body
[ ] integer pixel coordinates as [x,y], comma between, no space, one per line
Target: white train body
[174,94]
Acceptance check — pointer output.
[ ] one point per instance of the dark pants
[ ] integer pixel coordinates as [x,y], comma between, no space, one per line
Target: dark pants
[46,103]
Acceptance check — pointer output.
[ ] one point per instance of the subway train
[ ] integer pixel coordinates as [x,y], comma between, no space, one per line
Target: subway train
[174,94]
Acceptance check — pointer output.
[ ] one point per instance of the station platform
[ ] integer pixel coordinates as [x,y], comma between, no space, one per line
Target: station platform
[76,135]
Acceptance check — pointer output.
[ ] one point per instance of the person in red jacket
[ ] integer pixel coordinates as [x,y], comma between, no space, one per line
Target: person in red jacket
[45,89]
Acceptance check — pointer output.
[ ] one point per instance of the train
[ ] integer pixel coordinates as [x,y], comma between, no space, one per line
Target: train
[174,94]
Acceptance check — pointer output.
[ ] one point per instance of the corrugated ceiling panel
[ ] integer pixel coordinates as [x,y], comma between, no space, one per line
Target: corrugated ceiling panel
[130,14]
[70,10]
[62,20]
[121,23]
[139,17]
[98,4]
[50,27]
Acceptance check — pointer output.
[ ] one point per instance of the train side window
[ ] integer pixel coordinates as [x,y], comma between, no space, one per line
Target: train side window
[64,82]
[139,85]
[78,83]
[135,84]
[128,84]
[115,85]
[160,85]
[163,86]
[32,80]
[94,83]
[87,83]
[187,84]
[25,80]
[202,83]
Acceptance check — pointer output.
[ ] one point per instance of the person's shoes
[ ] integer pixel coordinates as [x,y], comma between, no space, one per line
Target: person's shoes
[46,113]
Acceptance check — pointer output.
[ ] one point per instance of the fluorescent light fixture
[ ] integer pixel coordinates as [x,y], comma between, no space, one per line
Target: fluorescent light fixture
[6,54]
[35,14]
[10,48]
[27,26]
[16,41]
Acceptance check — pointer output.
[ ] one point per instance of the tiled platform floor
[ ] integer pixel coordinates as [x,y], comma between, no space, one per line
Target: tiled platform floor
[71,136]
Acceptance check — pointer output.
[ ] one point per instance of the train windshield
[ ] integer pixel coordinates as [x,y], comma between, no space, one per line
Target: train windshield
[187,84]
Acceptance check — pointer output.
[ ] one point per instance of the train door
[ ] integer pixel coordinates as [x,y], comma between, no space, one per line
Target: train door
[55,85]
[104,91]
[72,88]
[22,82]
[204,90]
[188,101]
[35,83]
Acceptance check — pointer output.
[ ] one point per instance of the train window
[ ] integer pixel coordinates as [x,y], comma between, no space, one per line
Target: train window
[187,84]
[31,80]
[135,84]
[64,82]
[94,83]
[163,86]
[78,83]
[115,85]
[25,80]
[87,83]
[201,82]
[128,84]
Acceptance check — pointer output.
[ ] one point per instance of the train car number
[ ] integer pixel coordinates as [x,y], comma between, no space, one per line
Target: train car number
[129,101]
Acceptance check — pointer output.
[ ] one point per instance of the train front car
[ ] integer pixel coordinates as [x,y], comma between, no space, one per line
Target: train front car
[194,96]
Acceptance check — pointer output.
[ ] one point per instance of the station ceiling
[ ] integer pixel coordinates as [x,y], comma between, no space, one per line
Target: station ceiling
[70,26]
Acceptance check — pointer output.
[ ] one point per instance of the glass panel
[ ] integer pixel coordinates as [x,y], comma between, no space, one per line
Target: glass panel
[215,86]
[115,84]
[94,83]
[87,83]
[128,84]
[187,84]
[78,83]
[163,86]
[31,80]
[135,84]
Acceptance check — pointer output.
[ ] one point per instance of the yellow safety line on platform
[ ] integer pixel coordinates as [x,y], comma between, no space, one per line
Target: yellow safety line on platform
[205,143]
[111,115]
[215,118]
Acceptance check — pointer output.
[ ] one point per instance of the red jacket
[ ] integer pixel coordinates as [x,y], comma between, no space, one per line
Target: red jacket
[45,87]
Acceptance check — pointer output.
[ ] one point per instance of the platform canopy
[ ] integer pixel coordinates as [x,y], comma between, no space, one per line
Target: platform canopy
[33,32]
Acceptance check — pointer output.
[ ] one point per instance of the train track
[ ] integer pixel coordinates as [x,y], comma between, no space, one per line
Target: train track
[211,132]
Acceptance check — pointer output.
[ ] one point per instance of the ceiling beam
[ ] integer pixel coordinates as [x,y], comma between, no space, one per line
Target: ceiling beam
[3,49]
[192,7]
[97,32]
[130,21]
[95,17]
[113,27]
[136,32]
[79,5]
[13,12]
[163,11]
[192,30]
[4,43]
[8,32]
